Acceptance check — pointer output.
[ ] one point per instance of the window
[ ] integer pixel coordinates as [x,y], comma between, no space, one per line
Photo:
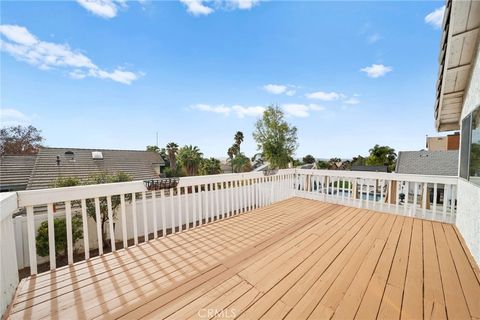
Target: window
[474,163]
[470,149]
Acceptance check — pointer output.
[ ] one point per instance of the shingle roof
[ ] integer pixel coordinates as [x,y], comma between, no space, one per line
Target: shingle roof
[15,172]
[138,164]
[370,168]
[444,163]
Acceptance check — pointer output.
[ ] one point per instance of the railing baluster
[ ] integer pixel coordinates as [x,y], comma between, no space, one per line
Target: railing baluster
[32,248]
[110,223]
[172,211]
[51,236]
[68,218]
[187,208]
[424,199]
[86,246]
[217,201]
[134,218]
[405,201]
[397,197]
[415,198]
[179,213]
[445,200]
[123,215]
[194,205]
[154,211]
[164,218]
[237,195]
[223,195]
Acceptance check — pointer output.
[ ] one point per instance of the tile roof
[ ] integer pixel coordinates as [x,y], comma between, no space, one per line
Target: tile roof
[444,163]
[139,165]
[15,172]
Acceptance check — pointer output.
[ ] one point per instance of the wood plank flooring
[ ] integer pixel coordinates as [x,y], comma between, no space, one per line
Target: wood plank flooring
[295,259]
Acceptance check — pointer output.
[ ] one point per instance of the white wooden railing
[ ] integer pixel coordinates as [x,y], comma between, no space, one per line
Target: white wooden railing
[144,215]
[427,197]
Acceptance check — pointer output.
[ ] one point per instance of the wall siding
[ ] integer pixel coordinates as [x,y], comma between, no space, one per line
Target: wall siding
[468,211]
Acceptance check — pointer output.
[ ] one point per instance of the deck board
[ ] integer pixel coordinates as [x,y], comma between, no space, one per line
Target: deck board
[295,259]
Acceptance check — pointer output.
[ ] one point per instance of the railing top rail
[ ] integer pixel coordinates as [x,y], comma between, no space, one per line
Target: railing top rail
[382,175]
[44,196]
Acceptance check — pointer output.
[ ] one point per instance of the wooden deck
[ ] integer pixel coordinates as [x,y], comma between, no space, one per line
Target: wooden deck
[296,259]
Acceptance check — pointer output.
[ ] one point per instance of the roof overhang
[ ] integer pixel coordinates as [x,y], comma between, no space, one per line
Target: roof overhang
[461,33]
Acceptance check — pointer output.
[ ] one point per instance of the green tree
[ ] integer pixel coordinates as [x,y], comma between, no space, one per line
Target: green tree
[190,158]
[162,152]
[358,161]
[275,138]
[241,163]
[20,140]
[172,151]
[322,164]
[382,156]
[210,166]
[100,178]
[238,139]
[59,224]
[308,159]
[60,227]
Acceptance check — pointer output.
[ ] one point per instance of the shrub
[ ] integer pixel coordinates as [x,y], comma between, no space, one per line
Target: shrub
[60,227]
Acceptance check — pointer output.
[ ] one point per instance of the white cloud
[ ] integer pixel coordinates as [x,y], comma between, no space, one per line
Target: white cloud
[12,117]
[325,96]
[374,38]
[275,88]
[242,4]
[435,18]
[352,100]
[197,7]
[21,44]
[289,90]
[242,112]
[376,70]
[103,8]
[301,110]
[206,7]
[238,110]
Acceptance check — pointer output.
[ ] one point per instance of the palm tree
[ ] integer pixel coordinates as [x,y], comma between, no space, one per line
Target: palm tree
[190,157]
[238,139]
[210,166]
[241,163]
[172,150]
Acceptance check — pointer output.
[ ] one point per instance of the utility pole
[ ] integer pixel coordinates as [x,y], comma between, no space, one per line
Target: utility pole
[157,138]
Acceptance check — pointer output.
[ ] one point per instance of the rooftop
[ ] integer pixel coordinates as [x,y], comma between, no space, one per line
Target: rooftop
[296,258]
[79,163]
[443,163]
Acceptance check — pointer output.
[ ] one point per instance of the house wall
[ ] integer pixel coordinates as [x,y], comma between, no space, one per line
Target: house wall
[437,143]
[468,211]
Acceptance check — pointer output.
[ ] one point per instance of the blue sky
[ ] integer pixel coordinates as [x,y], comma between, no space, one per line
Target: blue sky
[110,74]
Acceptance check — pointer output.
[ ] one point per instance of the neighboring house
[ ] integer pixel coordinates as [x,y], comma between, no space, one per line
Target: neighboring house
[370,168]
[15,172]
[308,166]
[52,163]
[449,142]
[443,163]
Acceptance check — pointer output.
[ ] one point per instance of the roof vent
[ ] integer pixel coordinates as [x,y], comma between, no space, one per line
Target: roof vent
[70,156]
[97,155]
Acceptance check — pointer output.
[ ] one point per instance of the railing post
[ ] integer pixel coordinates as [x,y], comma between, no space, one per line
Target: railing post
[8,263]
